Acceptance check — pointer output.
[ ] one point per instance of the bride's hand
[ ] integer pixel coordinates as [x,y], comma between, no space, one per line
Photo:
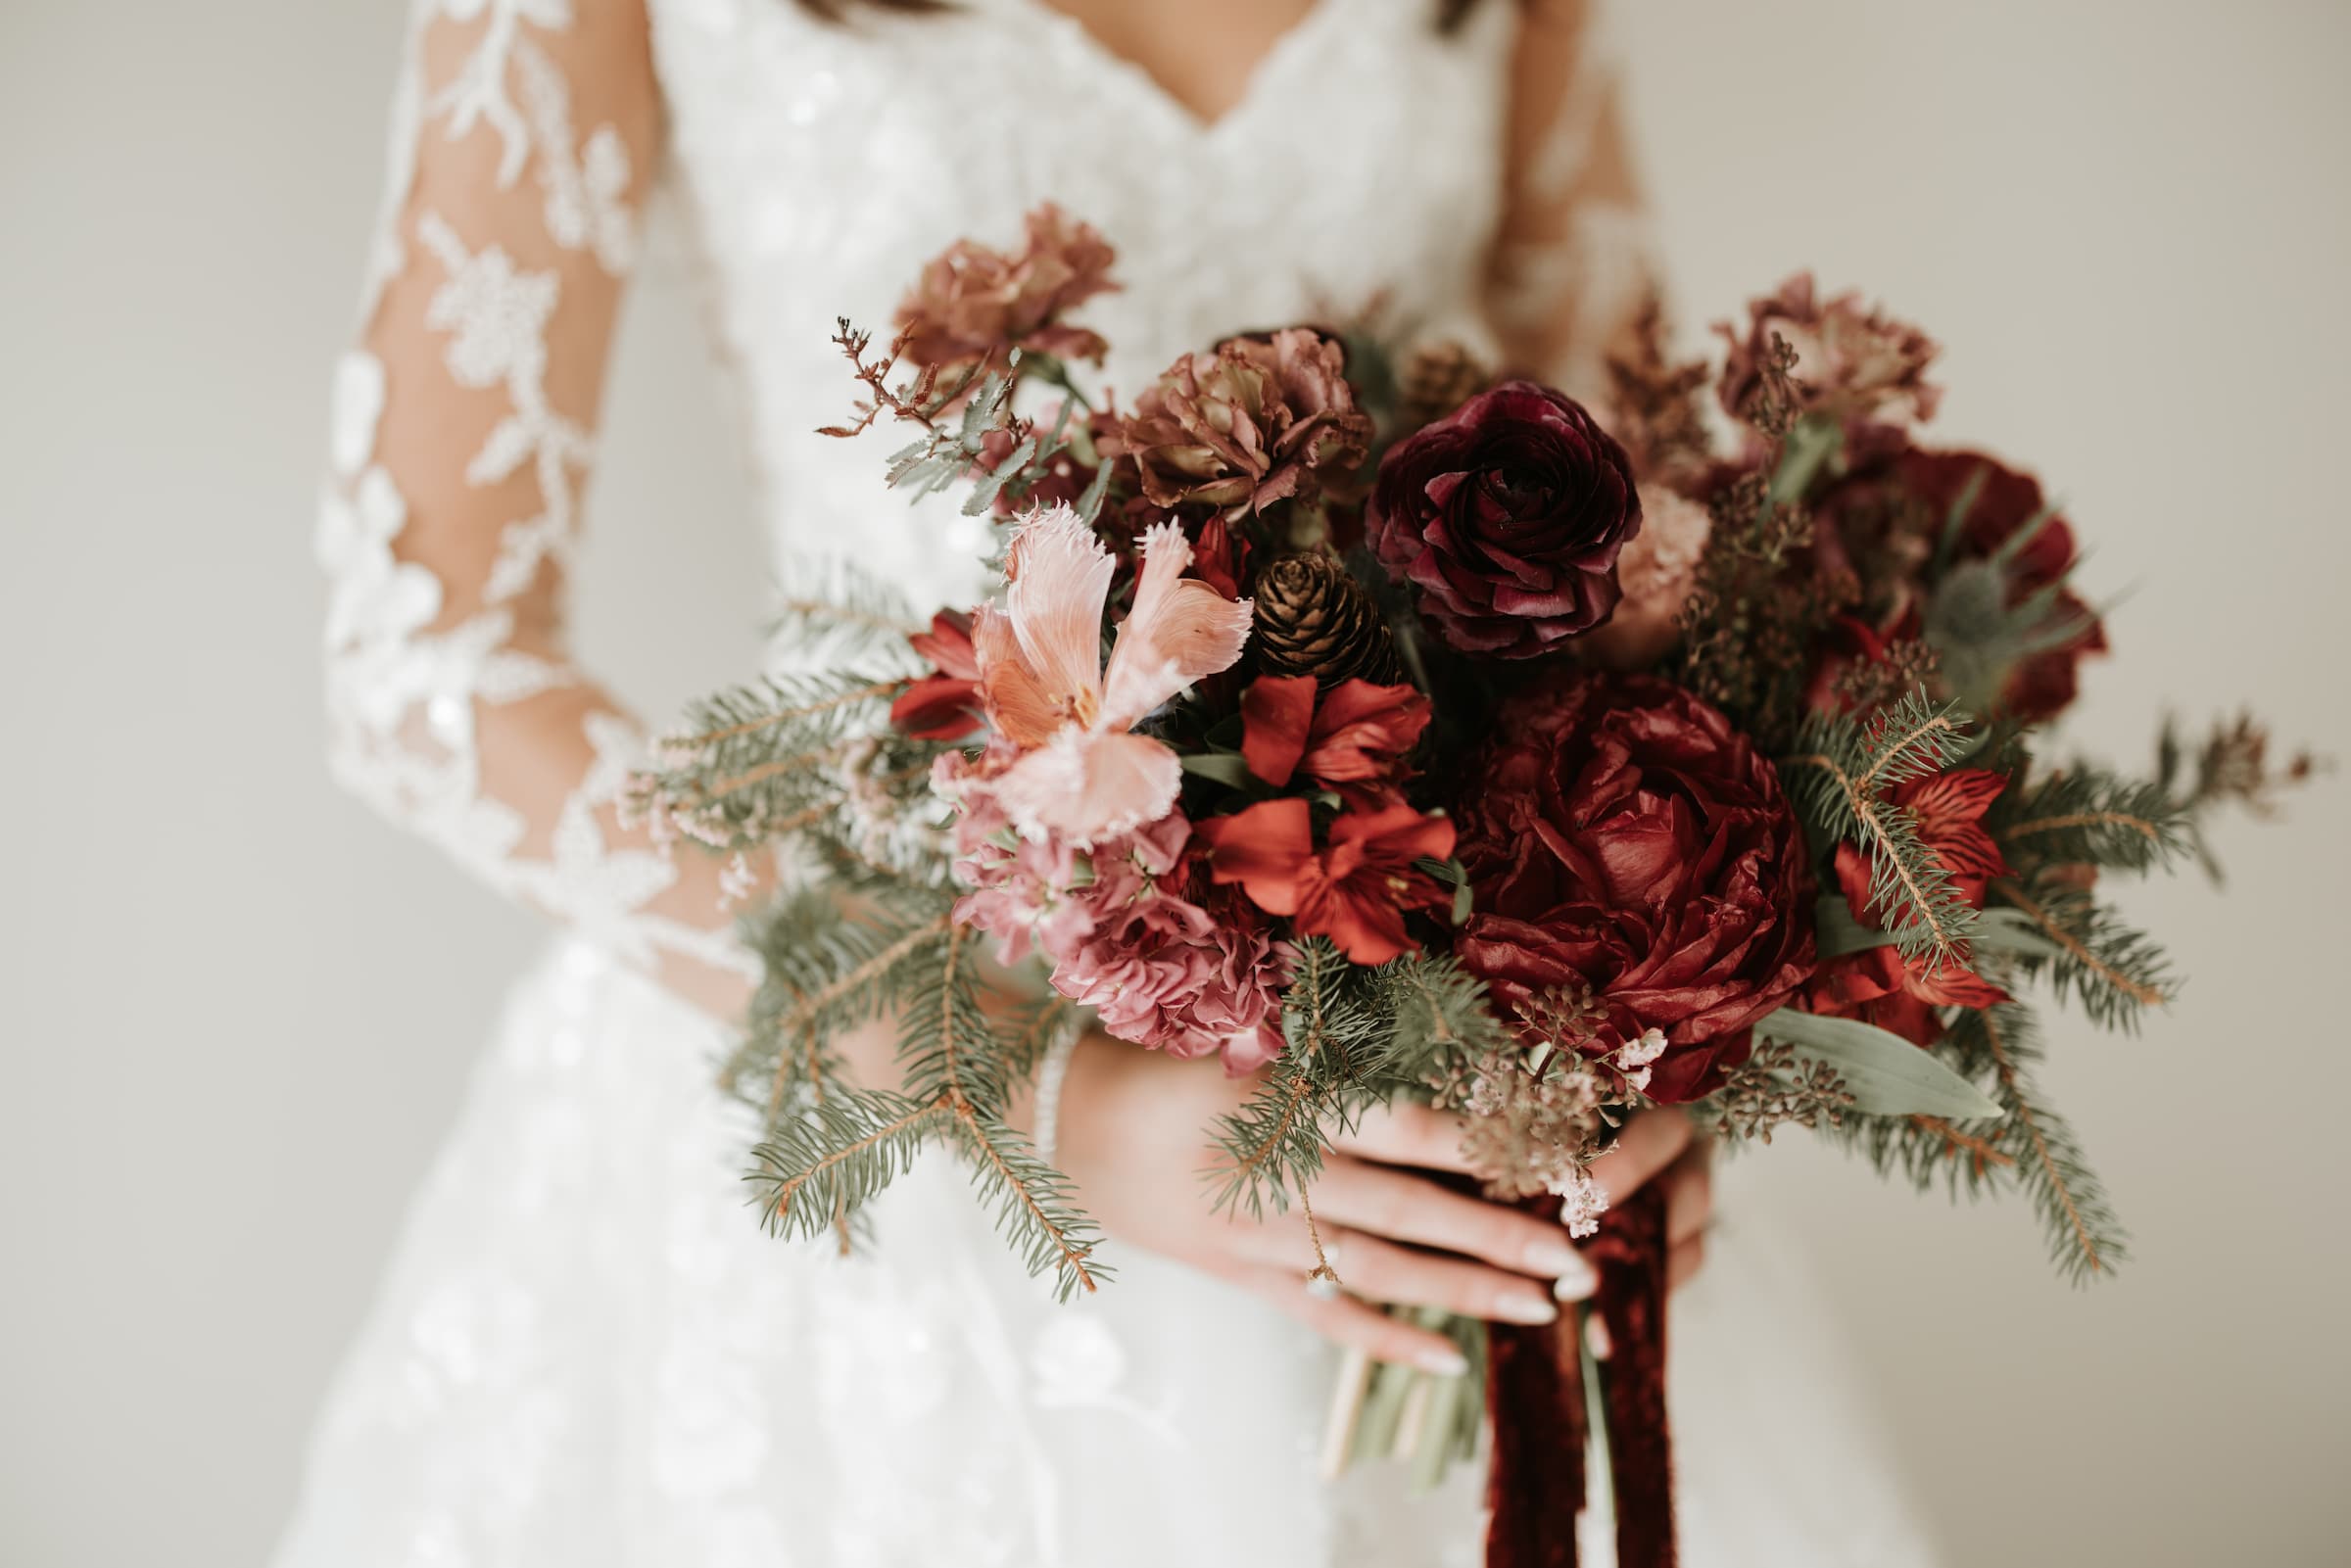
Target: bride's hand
[1134,1135]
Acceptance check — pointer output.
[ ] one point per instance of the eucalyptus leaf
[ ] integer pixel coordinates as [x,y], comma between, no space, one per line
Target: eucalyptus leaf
[1886,1074]
[2003,930]
[1224,767]
[1840,933]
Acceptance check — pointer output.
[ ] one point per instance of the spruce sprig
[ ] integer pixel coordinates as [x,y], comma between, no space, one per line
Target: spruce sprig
[753,762]
[2114,971]
[831,610]
[2086,1239]
[1841,776]
[2091,816]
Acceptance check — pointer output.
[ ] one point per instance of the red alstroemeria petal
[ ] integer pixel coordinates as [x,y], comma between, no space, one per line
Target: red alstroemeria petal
[1276,712]
[1268,849]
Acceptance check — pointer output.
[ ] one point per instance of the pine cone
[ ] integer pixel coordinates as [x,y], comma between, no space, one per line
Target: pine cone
[1438,378]
[1314,619]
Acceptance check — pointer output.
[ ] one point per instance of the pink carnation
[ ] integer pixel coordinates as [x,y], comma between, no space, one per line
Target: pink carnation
[1119,927]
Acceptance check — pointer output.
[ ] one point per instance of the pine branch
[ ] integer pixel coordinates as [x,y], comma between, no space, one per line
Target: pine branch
[1273,1144]
[2086,1239]
[2114,969]
[759,760]
[2089,816]
[1839,778]
[838,609]
[814,1170]
[1032,1204]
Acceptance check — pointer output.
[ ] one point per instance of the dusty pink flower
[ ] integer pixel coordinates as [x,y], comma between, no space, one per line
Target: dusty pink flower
[1852,361]
[974,304]
[1120,927]
[1656,569]
[1253,421]
[1082,775]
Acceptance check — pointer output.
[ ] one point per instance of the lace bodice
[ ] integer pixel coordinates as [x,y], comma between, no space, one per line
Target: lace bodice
[1465,185]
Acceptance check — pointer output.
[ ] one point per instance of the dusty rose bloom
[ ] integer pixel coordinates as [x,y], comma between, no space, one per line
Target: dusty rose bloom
[1253,421]
[1852,361]
[973,304]
[1656,569]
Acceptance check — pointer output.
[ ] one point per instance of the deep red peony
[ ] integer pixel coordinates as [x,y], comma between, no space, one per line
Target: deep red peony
[1507,515]
[1355,890]
[1635,867]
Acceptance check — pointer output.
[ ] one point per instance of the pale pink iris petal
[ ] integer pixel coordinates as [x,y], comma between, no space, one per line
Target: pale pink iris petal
[1057,576]
[1087,785]
[1023,711]
[1178,630]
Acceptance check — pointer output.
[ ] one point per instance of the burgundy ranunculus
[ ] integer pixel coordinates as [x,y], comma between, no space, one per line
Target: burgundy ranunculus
[1507,515]
[1635,867]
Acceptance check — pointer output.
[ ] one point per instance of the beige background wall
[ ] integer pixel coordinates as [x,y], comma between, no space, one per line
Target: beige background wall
[236,1010]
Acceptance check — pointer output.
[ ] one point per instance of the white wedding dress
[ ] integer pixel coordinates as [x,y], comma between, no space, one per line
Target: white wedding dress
[585,1353]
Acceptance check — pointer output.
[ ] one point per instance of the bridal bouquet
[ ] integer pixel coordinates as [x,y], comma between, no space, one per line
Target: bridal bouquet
[1744,805]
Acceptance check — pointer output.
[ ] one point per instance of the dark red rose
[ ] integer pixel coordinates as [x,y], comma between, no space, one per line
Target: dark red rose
[943,705]
[1633,867]
[1507,515]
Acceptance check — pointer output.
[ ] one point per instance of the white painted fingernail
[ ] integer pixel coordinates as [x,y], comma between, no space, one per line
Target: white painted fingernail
[1515,1308]
[1554,1259]
[1576,1284]
[1447,1363]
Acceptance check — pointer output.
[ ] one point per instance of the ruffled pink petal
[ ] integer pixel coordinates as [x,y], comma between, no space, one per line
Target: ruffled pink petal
[1057,576]
[1179,629]
[1085,786]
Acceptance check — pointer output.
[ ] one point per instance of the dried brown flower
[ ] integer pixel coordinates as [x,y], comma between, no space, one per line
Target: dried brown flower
[1254,422]
[975,305]
[1852,362]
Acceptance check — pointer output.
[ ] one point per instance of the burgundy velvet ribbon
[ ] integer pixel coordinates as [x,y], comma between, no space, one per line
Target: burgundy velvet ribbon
[1535,1397]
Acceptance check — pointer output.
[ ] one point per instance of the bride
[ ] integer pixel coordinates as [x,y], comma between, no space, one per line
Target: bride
[585,1353]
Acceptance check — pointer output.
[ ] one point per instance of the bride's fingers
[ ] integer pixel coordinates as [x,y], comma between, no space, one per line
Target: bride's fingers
[1690,1191]
[1399,1206]
[1649,1143]
[1380,1271]
[1347,1321]
[1405,1133]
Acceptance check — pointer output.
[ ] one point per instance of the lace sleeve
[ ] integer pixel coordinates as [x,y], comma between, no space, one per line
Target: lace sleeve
[1571,268]
[462,433]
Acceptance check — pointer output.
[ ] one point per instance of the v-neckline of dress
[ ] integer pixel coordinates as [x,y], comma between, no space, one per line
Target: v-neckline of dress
[1273,64]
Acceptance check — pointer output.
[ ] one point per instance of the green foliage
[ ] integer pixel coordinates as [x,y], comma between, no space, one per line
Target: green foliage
[816,1170]
[1842,778]
[754,762]
[1883,1073]
[2113,971]
[2091,816]
[831,610]
[1356,1037]
[2084,1238]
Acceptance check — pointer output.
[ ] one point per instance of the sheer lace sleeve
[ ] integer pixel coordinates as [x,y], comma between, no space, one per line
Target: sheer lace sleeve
[1571,268]
[463,429]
